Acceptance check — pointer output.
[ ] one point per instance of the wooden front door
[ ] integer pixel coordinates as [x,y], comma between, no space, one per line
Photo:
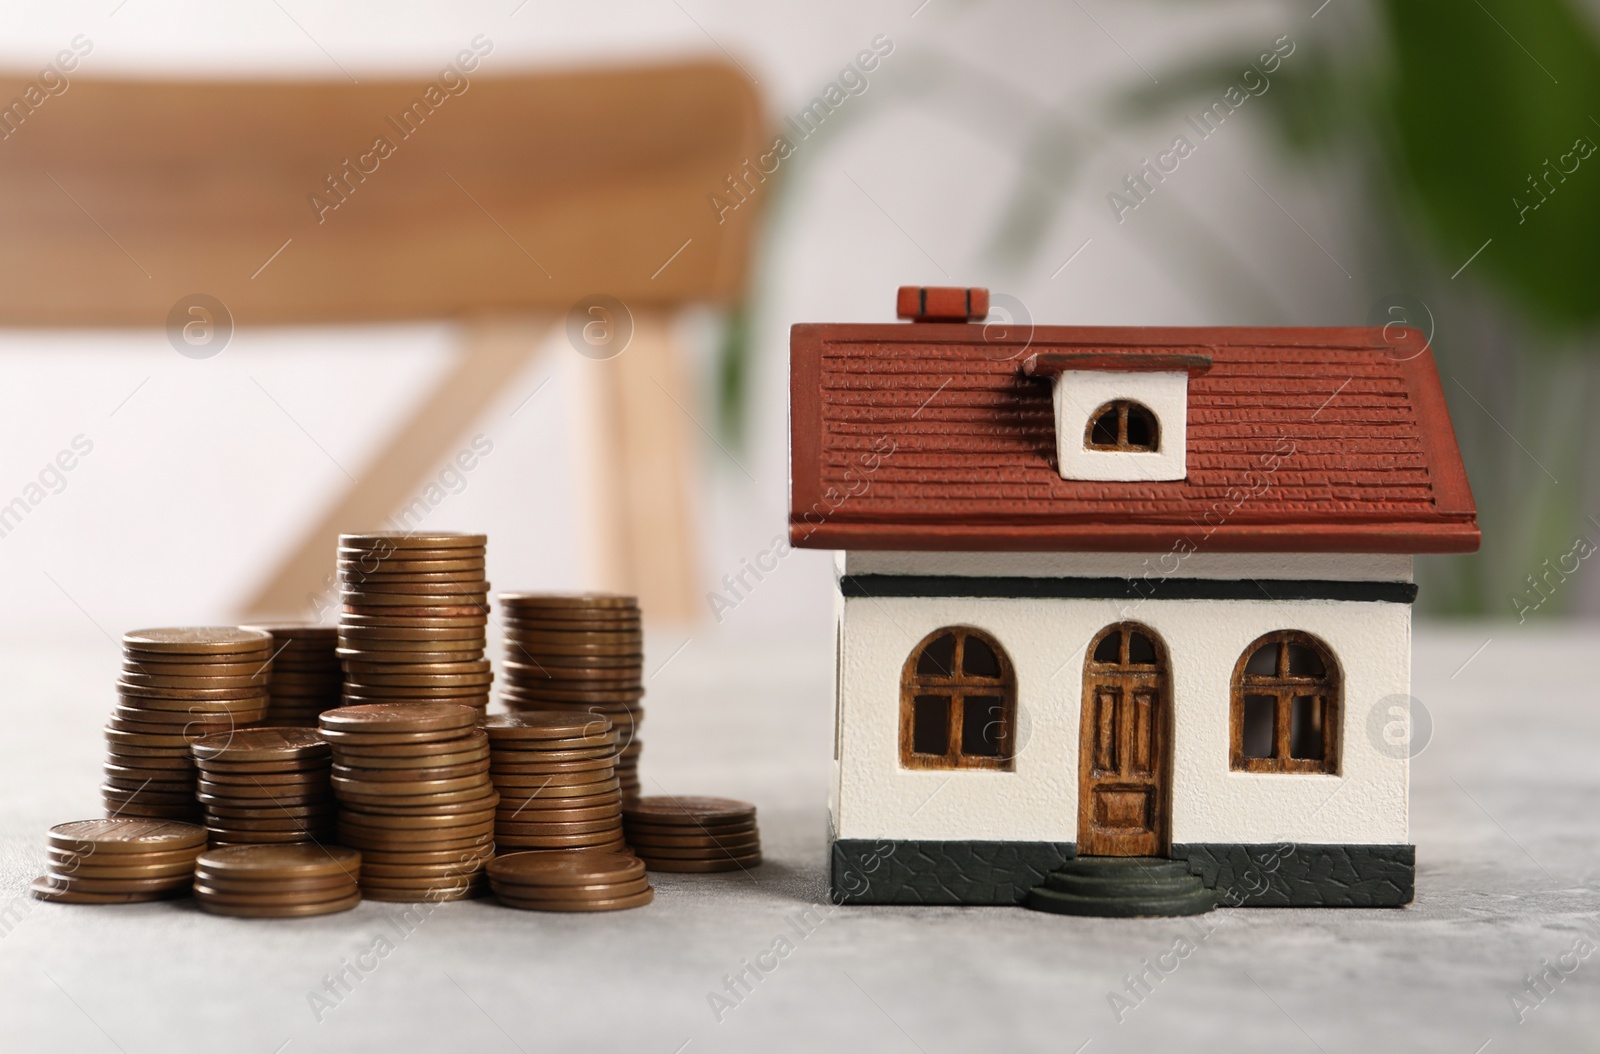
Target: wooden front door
[1124,765]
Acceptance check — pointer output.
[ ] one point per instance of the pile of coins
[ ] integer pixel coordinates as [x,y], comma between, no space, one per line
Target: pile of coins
[412,783]
[555,776]
[265,785]
[119,861]
[587,880]
[177,685]
[412,626]
[277,881]
[693,834]
[581,653]
[306,676]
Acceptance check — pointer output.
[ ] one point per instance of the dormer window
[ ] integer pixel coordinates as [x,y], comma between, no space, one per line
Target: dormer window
[1121,416]
[1123,424]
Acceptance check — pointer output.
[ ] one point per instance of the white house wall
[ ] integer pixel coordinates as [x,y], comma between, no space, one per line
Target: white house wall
[1045,639]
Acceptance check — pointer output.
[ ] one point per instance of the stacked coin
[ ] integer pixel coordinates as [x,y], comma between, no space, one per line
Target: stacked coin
[692,834]
[412,781]
[306,676]
[265,785]
[587,880]
[412,626]
[582,653]
[277,881]
[119,861]
[555,774]
[176,685]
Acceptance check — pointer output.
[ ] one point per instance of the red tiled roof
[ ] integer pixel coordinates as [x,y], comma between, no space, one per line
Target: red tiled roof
[928,436]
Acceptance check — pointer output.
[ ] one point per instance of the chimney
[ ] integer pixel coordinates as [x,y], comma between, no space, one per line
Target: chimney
[942,303]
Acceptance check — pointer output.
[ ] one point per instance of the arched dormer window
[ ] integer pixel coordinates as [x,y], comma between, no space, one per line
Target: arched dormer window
[1123,424]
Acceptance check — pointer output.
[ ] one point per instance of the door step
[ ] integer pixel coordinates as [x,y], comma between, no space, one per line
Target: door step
[1122,887]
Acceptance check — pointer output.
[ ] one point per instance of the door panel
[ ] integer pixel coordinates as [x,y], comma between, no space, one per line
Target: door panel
[1123,759]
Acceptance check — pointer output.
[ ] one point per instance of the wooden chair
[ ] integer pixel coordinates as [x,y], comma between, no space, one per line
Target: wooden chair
[496,200]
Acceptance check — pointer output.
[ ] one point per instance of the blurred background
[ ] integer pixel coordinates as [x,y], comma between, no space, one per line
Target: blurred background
[1414,161]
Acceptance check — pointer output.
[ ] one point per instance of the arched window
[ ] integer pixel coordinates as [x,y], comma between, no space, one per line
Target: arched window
[1123,424]
[958,703]
[1287,706]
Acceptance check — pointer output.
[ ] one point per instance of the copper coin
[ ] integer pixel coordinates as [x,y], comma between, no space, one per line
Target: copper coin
[367,842]
[548,787]
[298,778]
[414,540]
[280,911]
[596,891]
[416,763]
[357,570]
[474,768]
[470,739]
[740,853]
[132,693]
[523,825]
[211,895]
[379,822]
[292,631]
[663,842]
[205,640]
[689,809]
[79,867]
[406,636]
[637,829]
[442,694]
[227,882]
[535,807]
[438,896]
[269,822]
[567,601]
[261,808]
[358,585]
[353,620]
[604,765]
[402,837]
[474,857]
[508,843]
[598,755]
[703,866]
[44,888]
[148,797]
[563,869]
[82,883]
[608,811]
[357,647]
[191,669]
[443,736]
[398,718]
[172,763]
[131,810]
[113,855]
[434,872]
[541,725]
[388,807]
[472,793]
[543,697]
[352,571]
[281,861]
[311,768]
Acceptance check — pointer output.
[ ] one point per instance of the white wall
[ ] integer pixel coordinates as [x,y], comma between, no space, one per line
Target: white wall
[875,798]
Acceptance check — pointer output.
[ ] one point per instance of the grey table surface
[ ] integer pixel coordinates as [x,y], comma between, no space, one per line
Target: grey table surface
[1503,815]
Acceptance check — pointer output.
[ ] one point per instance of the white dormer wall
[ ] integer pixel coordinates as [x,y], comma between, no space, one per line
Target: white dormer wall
[1079,393]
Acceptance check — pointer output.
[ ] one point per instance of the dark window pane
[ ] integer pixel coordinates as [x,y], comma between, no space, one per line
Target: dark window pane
[1110,649]
[1304,662]
[1264,663]
[1104,430]
[982,725]
[1260,726]
[1305,727]
[938,658]
[1140,651]
[979,660]
[1141,428]
[930,724]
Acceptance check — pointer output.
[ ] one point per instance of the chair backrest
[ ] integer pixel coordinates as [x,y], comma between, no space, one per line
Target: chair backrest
[422,197]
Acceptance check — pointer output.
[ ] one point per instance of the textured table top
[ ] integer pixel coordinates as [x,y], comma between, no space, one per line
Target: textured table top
[1502,814]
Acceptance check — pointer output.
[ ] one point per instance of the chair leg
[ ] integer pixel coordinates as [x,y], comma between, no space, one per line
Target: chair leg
[494,351]
[637,467]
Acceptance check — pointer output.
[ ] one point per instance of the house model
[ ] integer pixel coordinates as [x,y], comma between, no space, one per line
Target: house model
[1124,614]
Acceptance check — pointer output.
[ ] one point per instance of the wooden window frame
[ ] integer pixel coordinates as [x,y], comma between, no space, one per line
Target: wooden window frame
[957,688]
[1282,689]
[1123,408]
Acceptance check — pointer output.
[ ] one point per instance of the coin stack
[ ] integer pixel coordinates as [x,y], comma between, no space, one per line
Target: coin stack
[555,774]
[412,626]
[579,653]
[265,785]
[119,861]
[412,782]
[306,676]
[692,834]
[277,881]
[587,880]
[177,685]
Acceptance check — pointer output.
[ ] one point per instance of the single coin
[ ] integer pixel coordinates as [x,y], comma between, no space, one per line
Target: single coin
[259,808]
[389,807]
[46,888]
[443,585]
[523,783]
[508,842]
[212,895]
[558,794]
[637,900]
[84,883]
[444,736]
[433,872]
[281,861]
[262,745]
[398,718]
[427,838]
[605,754]
[139,810]
[293,631]
[513,811]
[149,796]
[554,826]
[595,891]
[413,763]
[402,662]
[198,640]
[540,767]
[307,769]
[637,829]
[450,772]
[468,637]
[293,778]
[377,822]
[471,739]
[543,725]
[414,540]
[664,844]
[358,788]
[431,897]
[368,843]
[563,869]
[462,602]
[252,884]
[280,911]
[382,554]
[355,574]
[359,796]
[695,867]
[688,809]
[474,856]
[540,807]
[356,647]
[86,867]
[740,853]
[385,620]
[365,569]
[566,601]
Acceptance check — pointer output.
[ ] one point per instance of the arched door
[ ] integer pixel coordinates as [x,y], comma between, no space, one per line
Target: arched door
[1124,756]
